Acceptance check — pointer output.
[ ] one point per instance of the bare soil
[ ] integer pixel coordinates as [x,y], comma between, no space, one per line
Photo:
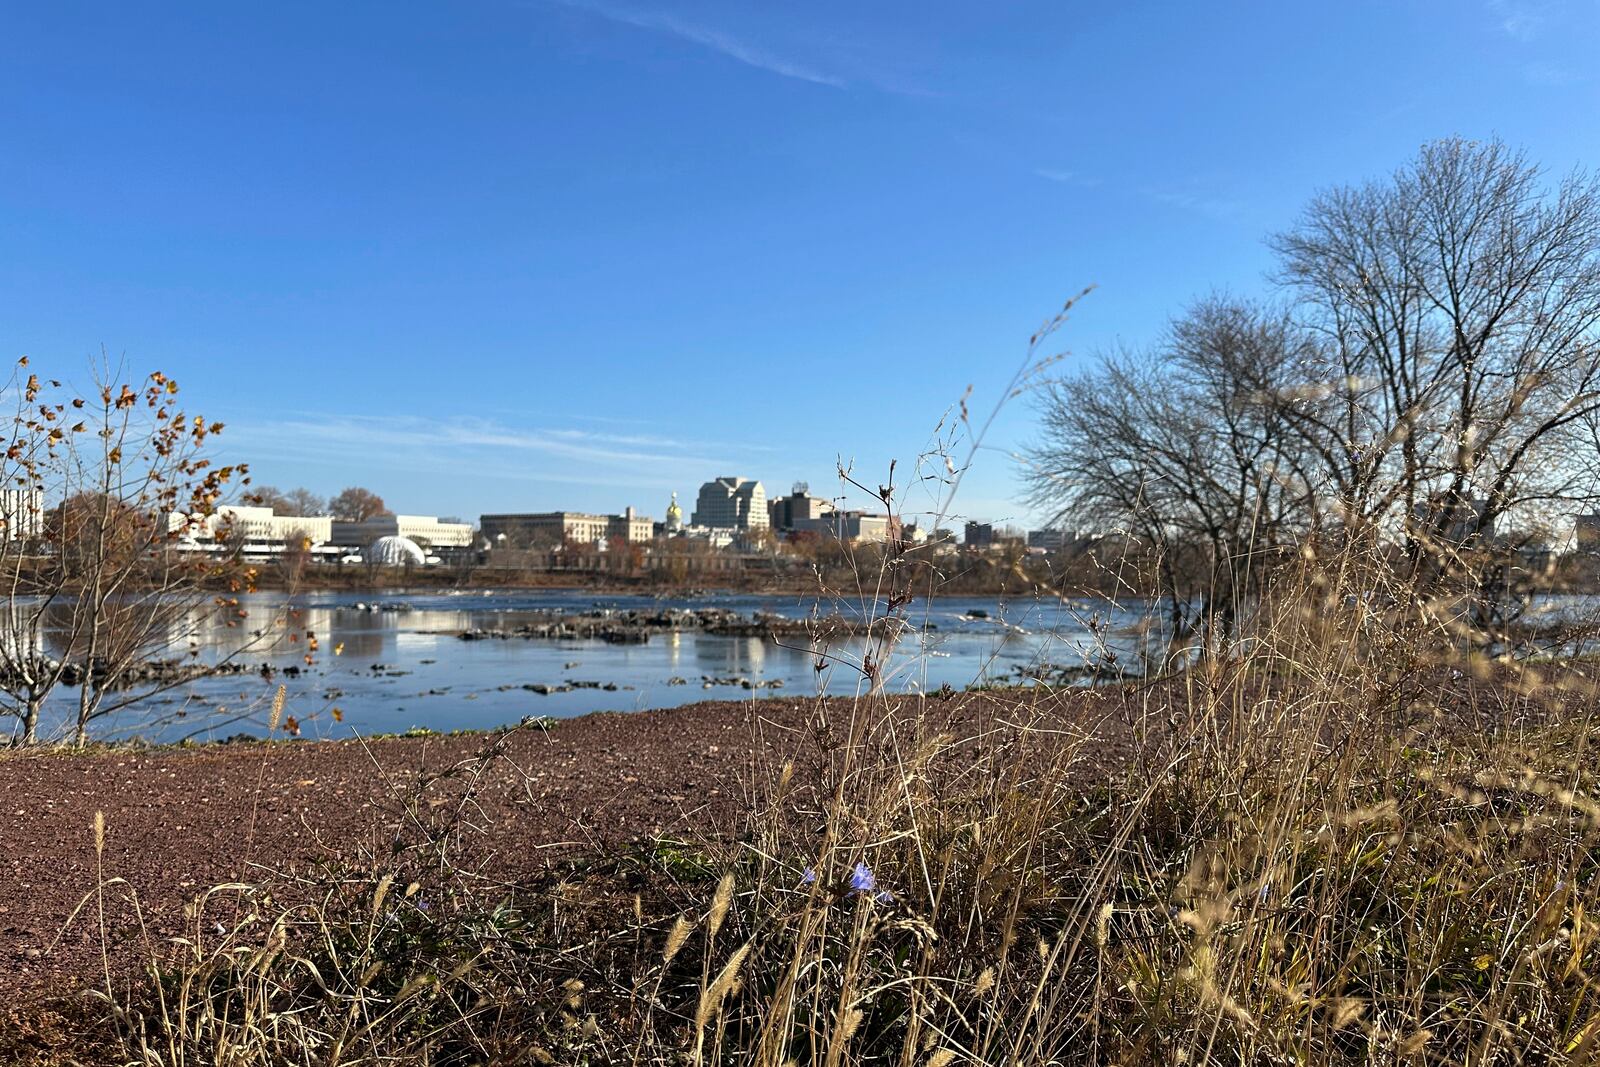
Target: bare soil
[180,820]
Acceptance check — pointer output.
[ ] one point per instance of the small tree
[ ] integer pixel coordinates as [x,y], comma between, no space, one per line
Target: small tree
[1179,448]
[36,593]
[135,486]
[112,577]
[357,505]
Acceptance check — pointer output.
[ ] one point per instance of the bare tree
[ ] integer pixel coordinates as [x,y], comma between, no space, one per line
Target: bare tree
[1456,370]
[267,496]
[1180,447]
[302,501]
[299,501]
[1438,377]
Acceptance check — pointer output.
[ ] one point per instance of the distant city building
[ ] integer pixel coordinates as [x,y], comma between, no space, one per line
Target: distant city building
[21,514]
[426,530]
[979,534]
[1051,539]
[256,532]
[1586,533]
[797,510]
[731,503]
[254,525]
[550,528]
[913,534]
[674,523]
[716,537]
[1467,521]
[847,526]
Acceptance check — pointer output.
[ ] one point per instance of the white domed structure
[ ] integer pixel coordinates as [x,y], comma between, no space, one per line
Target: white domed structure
[395,552]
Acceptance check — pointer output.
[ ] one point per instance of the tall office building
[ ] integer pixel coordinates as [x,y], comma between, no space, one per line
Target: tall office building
[731,503]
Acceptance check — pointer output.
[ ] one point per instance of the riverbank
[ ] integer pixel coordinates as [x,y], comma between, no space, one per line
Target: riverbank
[178,820]
[530,878]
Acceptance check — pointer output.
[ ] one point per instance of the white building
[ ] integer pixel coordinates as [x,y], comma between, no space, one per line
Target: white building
[255,531]
[21,514]
[260,525]
[425,530]
[731,503]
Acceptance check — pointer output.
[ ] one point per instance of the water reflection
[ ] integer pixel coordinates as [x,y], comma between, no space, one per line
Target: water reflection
[400,662]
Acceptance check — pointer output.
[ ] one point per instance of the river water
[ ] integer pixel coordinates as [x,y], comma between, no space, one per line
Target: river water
[391,662]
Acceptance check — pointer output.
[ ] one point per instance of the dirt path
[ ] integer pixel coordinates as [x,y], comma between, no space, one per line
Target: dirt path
[180,820]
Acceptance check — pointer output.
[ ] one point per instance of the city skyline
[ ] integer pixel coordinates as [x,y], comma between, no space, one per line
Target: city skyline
[580,254]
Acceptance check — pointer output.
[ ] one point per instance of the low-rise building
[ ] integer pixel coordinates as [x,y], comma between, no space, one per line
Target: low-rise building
[799,508]
[847,526]
[1454,522]
[630,527]
[1586,533]
[253,525]
[546,529]
[429,531]
[978,534]
[256,532]
[1051,539]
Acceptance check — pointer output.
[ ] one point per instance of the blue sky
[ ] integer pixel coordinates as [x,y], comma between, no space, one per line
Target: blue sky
[576,254]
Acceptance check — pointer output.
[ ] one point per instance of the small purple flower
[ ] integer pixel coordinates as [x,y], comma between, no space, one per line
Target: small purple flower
[884,897]
[808,876]
[862,880]
[422,905]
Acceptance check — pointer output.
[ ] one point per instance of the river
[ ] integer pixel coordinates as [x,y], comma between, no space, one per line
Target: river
[392,662]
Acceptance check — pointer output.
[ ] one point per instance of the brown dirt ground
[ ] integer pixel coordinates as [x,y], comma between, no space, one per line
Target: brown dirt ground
[181,820]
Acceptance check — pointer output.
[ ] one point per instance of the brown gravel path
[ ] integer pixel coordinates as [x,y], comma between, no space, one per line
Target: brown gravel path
[178,820]
[181,820]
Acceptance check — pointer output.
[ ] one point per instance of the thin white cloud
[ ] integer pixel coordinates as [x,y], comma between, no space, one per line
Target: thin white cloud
[1067,177]
[1215,207]
[705,37]
[1521,20]
[368,434]
[1550,75]
[430,463]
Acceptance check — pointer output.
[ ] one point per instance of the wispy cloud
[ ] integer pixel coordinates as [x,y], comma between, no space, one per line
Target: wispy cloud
[369,433]
[1520,19]
[1215,207]
[705,37]
[471,464]
[1550,75]
[1067,177]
